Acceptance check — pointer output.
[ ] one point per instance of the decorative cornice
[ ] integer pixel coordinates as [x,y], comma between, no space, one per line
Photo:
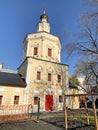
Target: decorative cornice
[45,35]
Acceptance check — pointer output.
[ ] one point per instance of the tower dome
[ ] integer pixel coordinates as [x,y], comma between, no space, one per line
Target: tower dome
[44,17]
[43,25]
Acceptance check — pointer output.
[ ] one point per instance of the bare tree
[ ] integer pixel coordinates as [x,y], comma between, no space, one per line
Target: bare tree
[93,4]
[90,72]
[87,45]
[87,42]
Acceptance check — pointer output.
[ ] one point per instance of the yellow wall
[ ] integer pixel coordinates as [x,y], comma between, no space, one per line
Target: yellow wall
[43,63]
[34,85]
[74,100]
[43,41]
[8,93]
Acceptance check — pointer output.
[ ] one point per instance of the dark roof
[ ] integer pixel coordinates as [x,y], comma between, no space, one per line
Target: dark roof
[44,16]
[13,79]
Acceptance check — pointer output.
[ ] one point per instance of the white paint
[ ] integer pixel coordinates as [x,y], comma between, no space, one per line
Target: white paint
[3,90]
[17,90]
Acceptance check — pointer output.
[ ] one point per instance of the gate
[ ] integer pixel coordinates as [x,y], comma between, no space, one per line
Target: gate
[81,111]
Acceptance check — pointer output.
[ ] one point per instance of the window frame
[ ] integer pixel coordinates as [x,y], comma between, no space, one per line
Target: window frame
[35,51]
[16,102]
[38,77]
[59,78]
[60,99]
[49,77]
[1,97]
[49,52]
[36,98]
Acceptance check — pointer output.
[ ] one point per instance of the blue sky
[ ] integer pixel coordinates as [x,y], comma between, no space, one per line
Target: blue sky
[19,17]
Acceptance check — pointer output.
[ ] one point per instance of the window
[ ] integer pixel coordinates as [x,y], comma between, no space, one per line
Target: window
[60,99]
[35,51]
[1,99]
[59,78]
[38,75]
[49,76]
[16,100]
[49,52]
[35,100]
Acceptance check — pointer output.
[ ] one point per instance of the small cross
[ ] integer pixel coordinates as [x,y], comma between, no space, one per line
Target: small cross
[44,10]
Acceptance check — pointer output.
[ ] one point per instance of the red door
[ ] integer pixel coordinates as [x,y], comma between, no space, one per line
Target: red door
[49,102]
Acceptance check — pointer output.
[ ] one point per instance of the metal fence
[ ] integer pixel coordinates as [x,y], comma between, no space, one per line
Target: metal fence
[81,111]
[15,112]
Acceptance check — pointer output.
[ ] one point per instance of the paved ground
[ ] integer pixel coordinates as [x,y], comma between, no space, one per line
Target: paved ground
[48,121]
[32,125]
[29,125]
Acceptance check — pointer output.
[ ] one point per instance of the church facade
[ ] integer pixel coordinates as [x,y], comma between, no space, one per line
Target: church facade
[41,76]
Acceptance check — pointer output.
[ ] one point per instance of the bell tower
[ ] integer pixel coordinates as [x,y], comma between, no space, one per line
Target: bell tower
[42,44]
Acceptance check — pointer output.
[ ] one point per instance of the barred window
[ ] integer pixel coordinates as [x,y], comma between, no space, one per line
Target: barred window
[16,100]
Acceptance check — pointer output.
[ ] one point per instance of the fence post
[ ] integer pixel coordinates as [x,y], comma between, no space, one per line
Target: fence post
[87,116]
[95,115]
[65,113]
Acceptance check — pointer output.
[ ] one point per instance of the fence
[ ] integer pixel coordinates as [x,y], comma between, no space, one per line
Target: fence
[16,112]
[81,111]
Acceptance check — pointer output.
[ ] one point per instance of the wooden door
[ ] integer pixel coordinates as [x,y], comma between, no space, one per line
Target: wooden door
[49,103]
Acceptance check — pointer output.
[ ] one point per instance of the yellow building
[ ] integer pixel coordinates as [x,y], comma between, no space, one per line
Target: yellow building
[12,87]
[41,73]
